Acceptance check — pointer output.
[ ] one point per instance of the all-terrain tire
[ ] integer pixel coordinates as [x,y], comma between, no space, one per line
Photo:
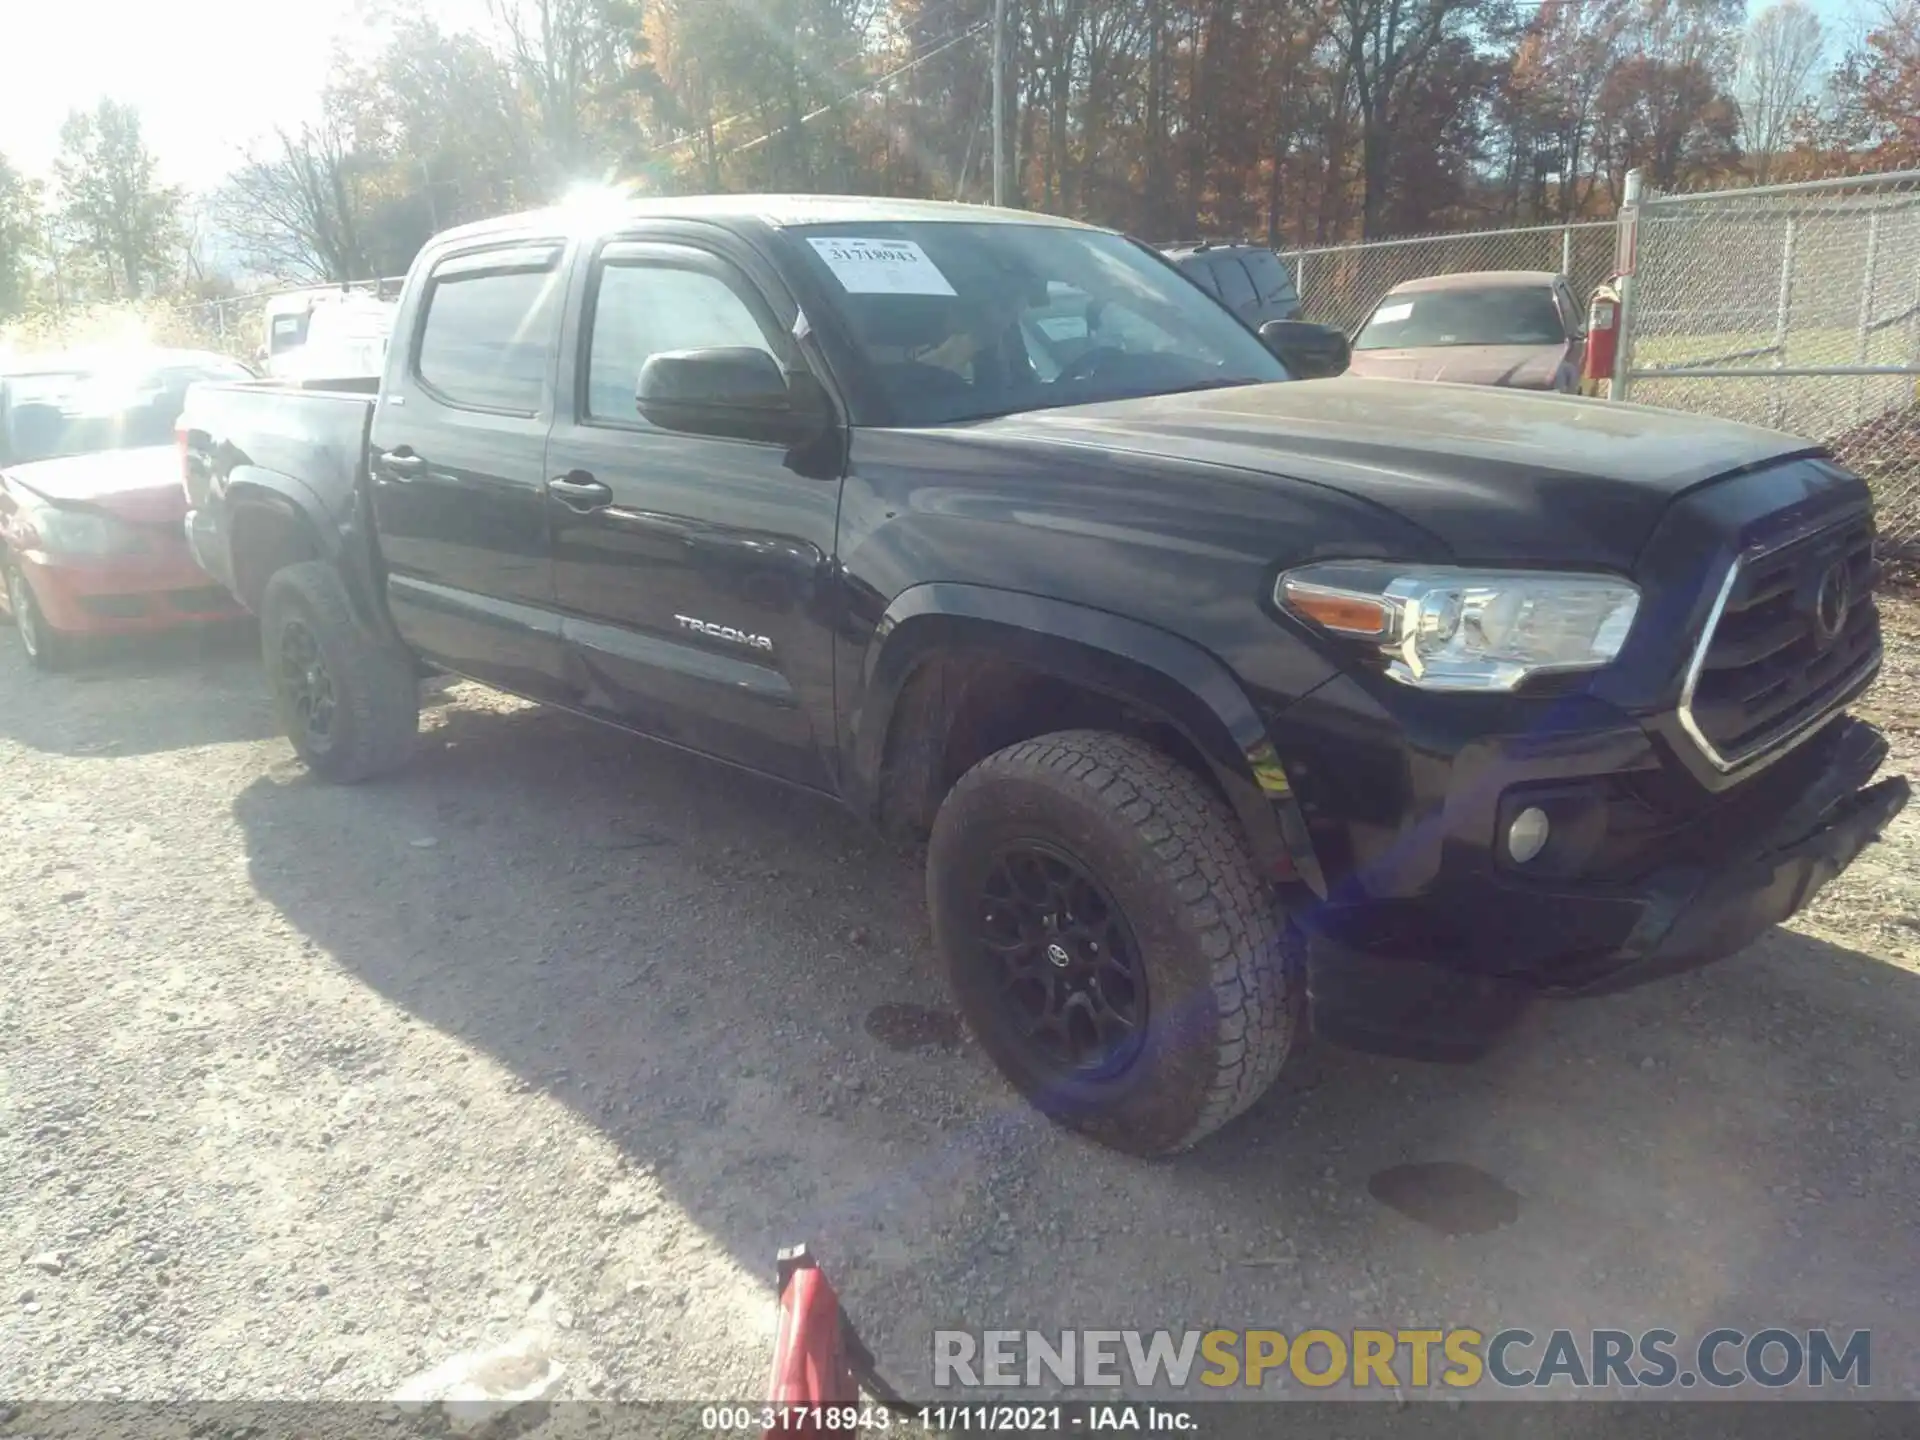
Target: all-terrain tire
[373,712]
[1221,964]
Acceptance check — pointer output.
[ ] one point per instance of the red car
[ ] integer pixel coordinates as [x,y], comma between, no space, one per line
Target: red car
[1519,328]
[91,504]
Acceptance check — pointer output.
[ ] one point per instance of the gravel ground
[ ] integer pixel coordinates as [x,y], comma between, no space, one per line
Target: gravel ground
[559,1035]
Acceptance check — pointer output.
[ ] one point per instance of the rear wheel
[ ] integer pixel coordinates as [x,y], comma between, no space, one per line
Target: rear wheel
[46,648]
[1109,939]
[349,702]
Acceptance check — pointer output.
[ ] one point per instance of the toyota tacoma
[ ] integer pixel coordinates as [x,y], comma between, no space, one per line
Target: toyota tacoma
[1231,695]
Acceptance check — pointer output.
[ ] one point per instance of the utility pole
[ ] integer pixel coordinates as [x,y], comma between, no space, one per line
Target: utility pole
[1001,163]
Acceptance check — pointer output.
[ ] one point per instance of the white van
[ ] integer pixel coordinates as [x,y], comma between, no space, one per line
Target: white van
[326,333]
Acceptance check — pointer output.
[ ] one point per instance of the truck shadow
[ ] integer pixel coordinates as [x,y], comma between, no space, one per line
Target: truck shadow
[145,695]
[690,958]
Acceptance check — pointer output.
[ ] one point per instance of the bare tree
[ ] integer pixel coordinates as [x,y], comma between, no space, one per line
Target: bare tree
[1778,57]
[297,209]
[1387,47]
[577,61]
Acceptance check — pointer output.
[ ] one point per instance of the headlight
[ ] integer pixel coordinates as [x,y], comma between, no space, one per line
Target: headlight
[1447,629]
[81,532]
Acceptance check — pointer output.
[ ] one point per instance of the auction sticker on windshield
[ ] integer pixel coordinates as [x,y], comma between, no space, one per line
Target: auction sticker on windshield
[882,267]
[1387,314]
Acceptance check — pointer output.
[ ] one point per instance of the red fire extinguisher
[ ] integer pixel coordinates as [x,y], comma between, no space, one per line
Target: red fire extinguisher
[819,1360]
[1603,338]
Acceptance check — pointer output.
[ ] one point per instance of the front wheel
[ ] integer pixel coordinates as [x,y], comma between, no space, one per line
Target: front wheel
[46,648]
[349,702]
[1109,939]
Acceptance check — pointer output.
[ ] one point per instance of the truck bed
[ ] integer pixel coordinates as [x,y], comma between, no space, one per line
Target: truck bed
[307,442]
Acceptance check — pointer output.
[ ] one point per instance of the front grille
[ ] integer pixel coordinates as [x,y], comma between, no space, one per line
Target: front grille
[1773,663]
[114,607]
[207,600]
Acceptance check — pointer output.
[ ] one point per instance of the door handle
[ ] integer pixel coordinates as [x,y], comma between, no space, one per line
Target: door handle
[401,465]
[578,490]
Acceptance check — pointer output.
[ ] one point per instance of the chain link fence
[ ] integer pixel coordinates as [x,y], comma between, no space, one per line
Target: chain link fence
[1795,307]
[1791,306]
[236,325]
[1340,285]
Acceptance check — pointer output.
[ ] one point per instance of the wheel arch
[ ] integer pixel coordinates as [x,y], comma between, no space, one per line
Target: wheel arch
[276,520]
[922,685]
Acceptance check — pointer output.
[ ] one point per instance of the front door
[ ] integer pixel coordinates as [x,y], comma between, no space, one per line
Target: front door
[458,469]
[694,574]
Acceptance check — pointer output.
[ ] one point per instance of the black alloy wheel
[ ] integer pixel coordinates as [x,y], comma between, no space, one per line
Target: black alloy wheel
[306,685]
[1066,968]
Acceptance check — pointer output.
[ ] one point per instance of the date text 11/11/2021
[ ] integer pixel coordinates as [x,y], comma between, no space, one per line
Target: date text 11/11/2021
[951,1419]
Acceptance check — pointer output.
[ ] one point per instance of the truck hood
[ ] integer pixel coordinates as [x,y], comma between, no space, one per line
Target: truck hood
[1524,366]
[1497,476]
[140,485]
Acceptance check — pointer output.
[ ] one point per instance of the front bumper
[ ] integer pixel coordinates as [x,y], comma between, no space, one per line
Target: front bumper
[124,595]
[1513,940]
[206,543]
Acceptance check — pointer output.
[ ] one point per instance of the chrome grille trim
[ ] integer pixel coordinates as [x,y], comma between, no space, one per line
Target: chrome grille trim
[1771,747]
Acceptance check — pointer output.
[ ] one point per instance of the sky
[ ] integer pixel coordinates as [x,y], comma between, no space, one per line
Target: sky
[206,75]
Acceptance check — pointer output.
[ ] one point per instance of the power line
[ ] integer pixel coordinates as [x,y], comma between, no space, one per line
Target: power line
[922,23]
[867,89]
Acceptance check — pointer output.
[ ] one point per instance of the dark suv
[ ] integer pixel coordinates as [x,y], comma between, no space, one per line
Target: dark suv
[1249,279]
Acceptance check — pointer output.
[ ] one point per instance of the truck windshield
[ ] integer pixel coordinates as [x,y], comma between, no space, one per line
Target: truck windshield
[1504,315]
[961,321]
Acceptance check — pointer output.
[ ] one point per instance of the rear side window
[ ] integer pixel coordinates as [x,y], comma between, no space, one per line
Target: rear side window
[1235,288]
[1198,272]
[488,338]
[288,331]
[1270,277]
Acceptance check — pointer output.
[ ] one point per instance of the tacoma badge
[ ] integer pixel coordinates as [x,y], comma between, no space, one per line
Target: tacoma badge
[724,632]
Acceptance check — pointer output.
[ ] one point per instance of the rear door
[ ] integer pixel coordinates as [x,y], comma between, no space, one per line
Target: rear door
[458,466]
[695,573]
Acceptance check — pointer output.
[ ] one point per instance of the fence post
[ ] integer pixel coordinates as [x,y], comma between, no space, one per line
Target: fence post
[1626,261]
[1913,315]
[1783,306]
[1866,311]
[1300,280]
[1566,251]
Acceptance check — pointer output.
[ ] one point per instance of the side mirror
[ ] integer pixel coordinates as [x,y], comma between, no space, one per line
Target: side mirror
[735,392]
[1310,352]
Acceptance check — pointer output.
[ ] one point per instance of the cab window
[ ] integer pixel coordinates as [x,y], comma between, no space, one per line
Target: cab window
[642,309]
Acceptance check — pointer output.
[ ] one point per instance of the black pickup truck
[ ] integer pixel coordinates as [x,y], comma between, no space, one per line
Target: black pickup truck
[1229,700]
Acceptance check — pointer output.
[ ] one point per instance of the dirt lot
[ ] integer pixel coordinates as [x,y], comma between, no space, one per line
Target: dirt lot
[560,1035]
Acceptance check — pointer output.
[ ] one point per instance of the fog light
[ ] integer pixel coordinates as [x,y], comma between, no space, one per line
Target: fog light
[1527,836]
